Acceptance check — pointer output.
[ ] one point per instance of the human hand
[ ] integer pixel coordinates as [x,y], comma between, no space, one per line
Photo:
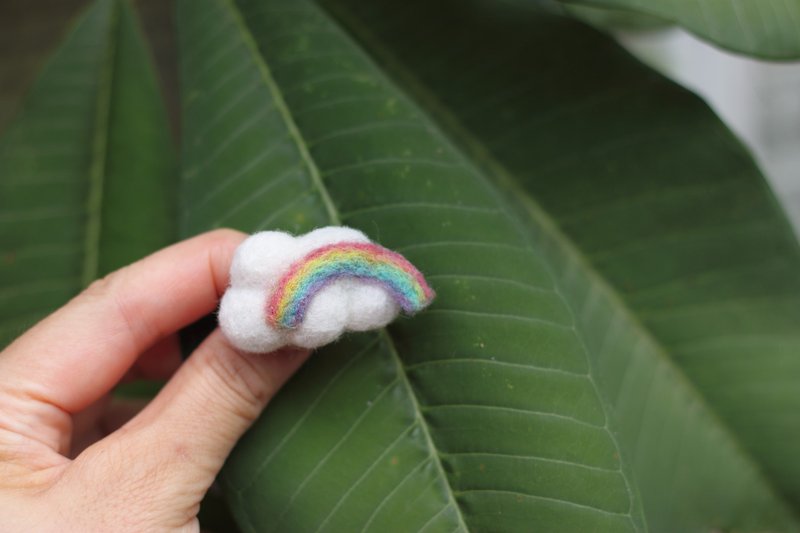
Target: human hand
[151,473]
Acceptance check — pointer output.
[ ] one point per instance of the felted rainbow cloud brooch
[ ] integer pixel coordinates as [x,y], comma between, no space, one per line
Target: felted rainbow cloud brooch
[306,291]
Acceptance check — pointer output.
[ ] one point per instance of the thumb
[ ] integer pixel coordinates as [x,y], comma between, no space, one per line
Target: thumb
[216,395]
[182,438]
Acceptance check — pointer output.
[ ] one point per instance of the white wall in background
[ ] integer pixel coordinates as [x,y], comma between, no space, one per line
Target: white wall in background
[760,101]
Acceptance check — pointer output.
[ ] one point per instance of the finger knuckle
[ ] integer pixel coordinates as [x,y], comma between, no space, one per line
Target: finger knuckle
[108,285]
[101,287]
[238,377]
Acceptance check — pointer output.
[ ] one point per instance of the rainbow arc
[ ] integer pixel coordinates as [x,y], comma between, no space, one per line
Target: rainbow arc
[366,262]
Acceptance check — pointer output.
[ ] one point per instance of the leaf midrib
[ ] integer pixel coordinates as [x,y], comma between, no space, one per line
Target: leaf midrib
[408,82]
[335,219]
[517,196]
[99,157]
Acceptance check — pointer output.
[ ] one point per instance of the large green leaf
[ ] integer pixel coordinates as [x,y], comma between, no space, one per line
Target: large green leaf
[86,169]
[659,197]
[529,397]
[768,29]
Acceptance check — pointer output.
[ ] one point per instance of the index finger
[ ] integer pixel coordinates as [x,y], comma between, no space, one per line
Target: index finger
[77,354]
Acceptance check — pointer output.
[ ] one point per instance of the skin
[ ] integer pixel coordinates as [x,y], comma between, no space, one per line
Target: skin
[73,459]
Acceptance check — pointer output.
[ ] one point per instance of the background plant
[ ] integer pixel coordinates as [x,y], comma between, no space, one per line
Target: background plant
[615,344]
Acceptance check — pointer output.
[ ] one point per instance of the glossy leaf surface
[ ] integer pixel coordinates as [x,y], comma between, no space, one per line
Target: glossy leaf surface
[507,405]
[659,198]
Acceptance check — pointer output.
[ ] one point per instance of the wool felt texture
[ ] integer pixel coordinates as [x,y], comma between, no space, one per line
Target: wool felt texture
[307,290]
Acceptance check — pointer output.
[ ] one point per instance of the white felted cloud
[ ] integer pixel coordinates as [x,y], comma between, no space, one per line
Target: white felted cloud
[265,261]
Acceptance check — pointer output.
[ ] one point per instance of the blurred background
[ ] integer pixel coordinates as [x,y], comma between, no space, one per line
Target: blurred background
[760,101]
[31,29]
